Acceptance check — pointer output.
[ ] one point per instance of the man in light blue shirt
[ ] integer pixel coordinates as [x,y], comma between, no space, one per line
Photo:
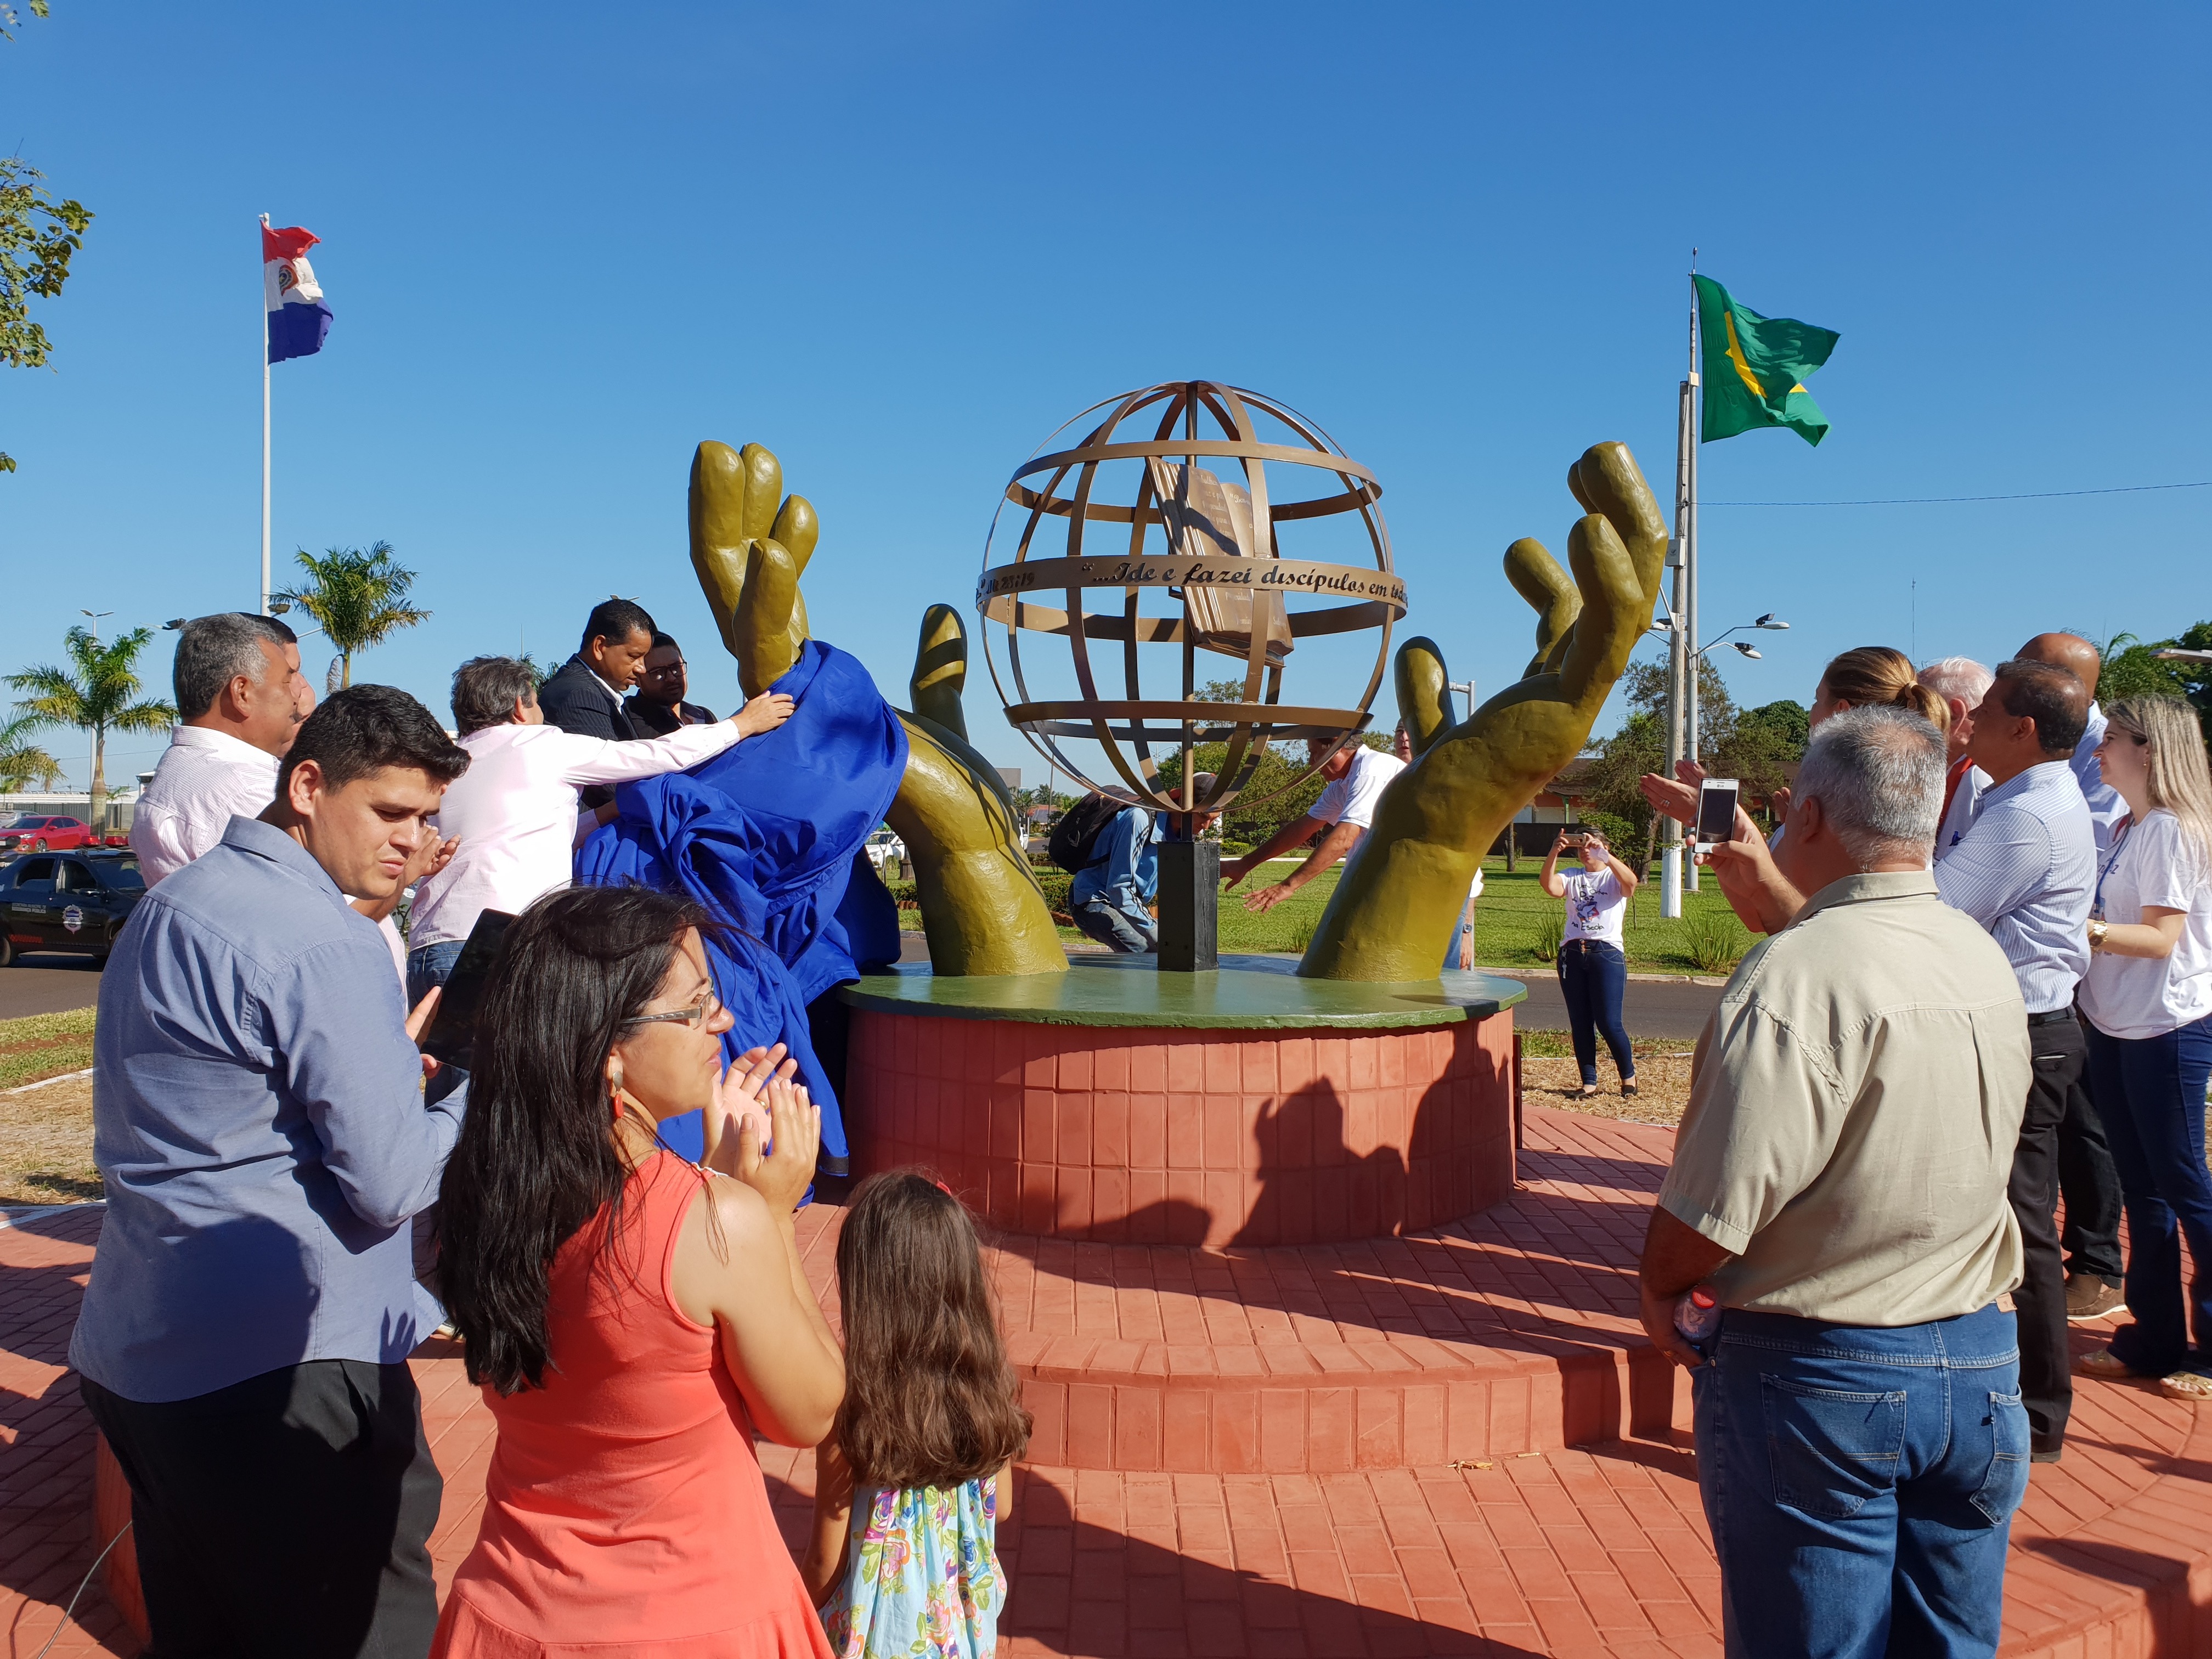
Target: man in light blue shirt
[2086,1175]
[260,1122]
[1111,896]
[2024,870]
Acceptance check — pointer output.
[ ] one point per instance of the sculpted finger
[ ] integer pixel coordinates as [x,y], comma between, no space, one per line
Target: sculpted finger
[766,649]
[798,528]
[1615,611]
[1424,701]
[761,478]
[940,669]
[1607,481]
[1537,578]
[718,538]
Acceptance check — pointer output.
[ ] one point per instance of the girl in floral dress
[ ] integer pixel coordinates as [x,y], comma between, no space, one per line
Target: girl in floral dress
[902,1562]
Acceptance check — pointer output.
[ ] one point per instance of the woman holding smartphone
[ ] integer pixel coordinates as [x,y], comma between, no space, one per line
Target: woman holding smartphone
[1592,965]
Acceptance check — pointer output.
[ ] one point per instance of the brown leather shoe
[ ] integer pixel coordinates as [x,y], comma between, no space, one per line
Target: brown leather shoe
[2088,1297]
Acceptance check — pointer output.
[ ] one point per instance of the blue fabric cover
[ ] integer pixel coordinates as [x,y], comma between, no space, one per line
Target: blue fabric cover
[768,836]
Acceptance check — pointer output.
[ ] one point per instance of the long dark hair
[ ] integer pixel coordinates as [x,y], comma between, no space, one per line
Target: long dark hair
[930,1400]
[536,1159]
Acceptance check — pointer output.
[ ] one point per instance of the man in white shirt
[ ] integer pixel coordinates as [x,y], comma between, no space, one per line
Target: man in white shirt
[1356,778]
[1962,682]
[241,697]
[514,809]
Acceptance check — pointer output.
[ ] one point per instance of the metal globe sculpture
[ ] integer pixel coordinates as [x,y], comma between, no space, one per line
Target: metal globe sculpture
[1171,510]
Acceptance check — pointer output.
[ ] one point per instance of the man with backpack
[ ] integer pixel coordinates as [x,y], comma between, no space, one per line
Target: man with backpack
[1110,846]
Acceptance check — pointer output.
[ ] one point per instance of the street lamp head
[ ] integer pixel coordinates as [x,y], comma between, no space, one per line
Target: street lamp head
[1747,650]
[278,607]
[1770,622]
[173,624]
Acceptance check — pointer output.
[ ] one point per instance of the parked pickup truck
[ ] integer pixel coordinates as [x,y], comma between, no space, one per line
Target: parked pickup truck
[75,901]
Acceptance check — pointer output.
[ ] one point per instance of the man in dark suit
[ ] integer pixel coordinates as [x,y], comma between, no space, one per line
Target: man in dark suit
[585,693]
[659,706]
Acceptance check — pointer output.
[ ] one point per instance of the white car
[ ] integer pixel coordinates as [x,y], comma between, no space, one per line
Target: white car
[886,844]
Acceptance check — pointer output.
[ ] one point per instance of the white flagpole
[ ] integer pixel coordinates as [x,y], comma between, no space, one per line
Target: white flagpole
[1686,527]
[264,428]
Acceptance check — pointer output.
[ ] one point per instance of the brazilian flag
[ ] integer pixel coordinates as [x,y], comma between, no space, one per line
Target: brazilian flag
[1755,367]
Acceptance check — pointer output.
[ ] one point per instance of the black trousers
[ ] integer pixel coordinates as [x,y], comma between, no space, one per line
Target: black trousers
[2046,1381]
[285,1516]
[2091,1187]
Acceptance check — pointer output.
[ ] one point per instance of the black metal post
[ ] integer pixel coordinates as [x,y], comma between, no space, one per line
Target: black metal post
[1190,895]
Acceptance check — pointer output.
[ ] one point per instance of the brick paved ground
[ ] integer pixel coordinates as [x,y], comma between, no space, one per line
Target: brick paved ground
[1599,1549]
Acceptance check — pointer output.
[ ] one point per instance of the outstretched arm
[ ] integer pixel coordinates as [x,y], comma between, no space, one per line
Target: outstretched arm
[1290,835]
[1341,840]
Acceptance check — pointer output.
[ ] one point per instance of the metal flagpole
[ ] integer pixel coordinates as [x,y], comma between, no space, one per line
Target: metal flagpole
[264,426]
[1680,664]
[1686,523]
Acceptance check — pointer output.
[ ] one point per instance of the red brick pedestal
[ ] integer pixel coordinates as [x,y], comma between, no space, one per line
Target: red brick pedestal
[1210,1137]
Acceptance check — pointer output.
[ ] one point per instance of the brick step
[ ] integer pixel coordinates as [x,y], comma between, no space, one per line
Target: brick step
[1318,1359]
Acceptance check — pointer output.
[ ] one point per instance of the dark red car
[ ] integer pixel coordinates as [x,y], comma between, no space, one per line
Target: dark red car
[30,834]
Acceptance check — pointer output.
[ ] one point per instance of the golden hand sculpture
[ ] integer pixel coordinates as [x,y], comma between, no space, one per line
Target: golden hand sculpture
[1401,895]
[982,908]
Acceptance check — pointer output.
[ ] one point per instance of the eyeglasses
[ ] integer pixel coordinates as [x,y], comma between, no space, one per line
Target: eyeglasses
[692,1018]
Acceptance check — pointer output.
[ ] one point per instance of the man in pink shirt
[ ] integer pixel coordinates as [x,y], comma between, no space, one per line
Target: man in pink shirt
[515,811]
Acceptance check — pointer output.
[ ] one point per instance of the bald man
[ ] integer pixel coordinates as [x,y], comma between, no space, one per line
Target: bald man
[2091,1186]
[2071,651]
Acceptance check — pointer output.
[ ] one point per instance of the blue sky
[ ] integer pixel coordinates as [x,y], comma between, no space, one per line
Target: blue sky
[900,245]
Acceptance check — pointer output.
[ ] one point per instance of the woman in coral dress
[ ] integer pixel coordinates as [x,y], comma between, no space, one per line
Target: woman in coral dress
[633,1317]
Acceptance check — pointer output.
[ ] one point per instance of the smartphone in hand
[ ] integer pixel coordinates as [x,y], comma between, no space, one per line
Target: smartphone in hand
[1717,799]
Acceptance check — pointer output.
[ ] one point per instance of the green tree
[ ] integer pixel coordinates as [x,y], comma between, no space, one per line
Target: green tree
[2133,668]
[95,694]
[22,762]
[358,600]
[37,236]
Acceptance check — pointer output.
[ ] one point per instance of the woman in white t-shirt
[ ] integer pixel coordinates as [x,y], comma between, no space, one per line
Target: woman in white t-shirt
[2149,999]
[1593,971]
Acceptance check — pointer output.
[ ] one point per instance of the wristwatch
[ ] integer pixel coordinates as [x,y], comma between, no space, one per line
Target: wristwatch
[2096,937]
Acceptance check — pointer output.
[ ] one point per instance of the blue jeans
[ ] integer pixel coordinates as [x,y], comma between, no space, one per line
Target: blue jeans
[1594,977]
[1860,1483]
[431,965]
[2150,1093]
[1115,929]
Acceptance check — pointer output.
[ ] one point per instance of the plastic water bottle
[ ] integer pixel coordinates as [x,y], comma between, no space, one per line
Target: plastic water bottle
[1697,1316]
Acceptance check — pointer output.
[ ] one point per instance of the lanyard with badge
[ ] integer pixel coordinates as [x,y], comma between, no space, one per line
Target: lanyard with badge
[2119,840]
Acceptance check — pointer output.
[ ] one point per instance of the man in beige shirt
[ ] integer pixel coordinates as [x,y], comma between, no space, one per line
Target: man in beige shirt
[1839,1189]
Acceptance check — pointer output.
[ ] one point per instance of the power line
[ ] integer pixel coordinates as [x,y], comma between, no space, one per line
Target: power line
[1931,500]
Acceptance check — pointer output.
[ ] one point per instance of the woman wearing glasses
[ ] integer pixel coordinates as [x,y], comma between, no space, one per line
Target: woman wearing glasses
[2149,998]
[632,1318]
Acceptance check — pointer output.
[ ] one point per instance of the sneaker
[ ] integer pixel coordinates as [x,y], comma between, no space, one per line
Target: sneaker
[2088,1297]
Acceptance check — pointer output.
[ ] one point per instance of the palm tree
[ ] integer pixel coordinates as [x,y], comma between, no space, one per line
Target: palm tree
[358,600]
[21,763]
[96,697]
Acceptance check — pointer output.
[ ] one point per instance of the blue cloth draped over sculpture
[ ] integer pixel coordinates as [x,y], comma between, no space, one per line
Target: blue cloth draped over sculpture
[768,836]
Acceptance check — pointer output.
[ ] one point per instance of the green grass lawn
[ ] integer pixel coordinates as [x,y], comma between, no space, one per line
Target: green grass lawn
[1511,920]
[43,1045]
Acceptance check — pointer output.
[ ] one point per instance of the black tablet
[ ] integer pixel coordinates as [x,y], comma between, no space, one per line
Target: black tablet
[453,1031]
